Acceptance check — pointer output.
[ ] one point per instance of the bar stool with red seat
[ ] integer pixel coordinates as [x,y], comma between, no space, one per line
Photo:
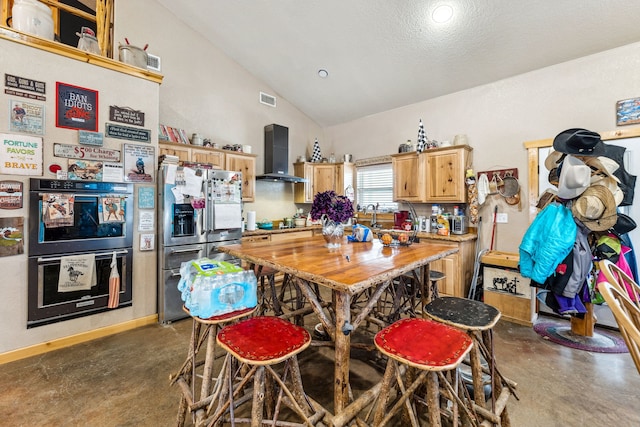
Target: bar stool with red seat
[477,319]
[434,349]
[258,344]
[202,329]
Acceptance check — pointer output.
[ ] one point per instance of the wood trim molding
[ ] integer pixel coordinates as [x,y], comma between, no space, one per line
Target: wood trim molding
[77,54]
[534,162]
[59,343]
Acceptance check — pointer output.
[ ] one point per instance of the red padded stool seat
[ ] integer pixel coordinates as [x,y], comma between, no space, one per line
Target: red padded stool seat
[202,330]
[430,347]
[258,343]
[263,340]
[477,319]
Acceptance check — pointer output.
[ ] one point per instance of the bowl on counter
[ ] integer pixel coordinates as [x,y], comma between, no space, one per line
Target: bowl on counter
[300,222]
[396,237]
[265,225]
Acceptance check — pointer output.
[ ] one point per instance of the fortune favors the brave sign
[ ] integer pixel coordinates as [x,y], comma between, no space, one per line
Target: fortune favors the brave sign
[20,154]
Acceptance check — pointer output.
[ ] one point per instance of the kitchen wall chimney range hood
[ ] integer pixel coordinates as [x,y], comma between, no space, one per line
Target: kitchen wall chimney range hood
[276,155]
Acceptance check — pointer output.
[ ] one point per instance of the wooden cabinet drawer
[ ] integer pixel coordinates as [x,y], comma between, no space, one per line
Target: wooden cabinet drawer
[280,237]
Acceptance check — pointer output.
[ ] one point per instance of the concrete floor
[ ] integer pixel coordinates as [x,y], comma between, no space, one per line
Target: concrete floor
[123,380]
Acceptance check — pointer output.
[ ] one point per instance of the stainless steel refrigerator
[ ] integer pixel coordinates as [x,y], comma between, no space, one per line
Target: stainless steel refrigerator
[199,210]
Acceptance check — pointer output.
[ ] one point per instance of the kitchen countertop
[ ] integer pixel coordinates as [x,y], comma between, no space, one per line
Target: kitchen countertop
[422,235]
[259,231]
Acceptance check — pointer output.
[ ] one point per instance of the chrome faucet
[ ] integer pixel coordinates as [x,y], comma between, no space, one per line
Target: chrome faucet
[374,217]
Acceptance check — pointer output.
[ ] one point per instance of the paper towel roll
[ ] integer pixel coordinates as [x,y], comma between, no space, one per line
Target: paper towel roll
[251,220]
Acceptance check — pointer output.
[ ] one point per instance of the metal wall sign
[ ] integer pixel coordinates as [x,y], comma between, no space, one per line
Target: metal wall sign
[10,194]
[86,152]
[90,138]
[22,83]
[129,133]
[126,115]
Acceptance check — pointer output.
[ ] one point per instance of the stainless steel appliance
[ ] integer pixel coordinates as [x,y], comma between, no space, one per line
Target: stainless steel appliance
[199,210]
[276,155]
[81,229]
[458,224]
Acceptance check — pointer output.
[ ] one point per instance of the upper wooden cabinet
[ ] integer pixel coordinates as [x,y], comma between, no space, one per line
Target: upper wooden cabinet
[433,176]
[220,159]
[216,158]
[446,168]
[247,165]
[408,177]
[321,177]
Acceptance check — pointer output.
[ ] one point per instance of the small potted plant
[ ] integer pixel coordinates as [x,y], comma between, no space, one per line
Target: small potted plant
[334,211]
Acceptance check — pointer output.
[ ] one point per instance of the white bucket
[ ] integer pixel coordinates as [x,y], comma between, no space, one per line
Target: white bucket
[33,17]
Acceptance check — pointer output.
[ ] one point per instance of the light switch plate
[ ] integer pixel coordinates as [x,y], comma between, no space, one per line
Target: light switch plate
[502,218]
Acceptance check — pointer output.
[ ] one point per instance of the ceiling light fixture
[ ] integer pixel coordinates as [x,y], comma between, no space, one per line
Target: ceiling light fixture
[323,73]
[442,13]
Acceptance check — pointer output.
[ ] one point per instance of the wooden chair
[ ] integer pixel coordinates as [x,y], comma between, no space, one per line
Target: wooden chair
[202,330]
[435,350]
[627,315]
[477,319]
[617,277]
[257,344]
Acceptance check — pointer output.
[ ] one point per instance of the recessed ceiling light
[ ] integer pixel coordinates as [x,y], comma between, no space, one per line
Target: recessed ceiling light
[323,73]
[442,13]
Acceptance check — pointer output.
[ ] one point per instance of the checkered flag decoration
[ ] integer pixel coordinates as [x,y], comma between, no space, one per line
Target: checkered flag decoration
[422,140]
[316,157]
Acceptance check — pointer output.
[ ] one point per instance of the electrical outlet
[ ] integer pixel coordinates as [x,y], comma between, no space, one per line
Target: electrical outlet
[502,218]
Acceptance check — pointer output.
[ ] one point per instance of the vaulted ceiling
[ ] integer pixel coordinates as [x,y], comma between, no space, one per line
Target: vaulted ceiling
[384,54]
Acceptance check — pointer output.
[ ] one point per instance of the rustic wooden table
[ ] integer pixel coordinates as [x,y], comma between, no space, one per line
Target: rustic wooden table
[348,270]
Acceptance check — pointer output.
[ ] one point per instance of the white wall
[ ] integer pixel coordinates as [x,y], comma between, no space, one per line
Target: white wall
[113,88]
[499,117]
[204,91]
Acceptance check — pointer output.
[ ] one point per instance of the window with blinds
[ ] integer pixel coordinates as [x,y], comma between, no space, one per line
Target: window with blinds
[375,186]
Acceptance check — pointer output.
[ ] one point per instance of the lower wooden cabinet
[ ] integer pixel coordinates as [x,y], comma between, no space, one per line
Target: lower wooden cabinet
[279,236]
[458,269]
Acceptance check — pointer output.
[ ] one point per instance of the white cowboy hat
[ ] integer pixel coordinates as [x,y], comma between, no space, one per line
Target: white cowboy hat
[575,178]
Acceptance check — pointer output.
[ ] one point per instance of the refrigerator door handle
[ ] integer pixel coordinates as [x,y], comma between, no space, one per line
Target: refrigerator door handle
[204,211]
[210,206]
[183,251]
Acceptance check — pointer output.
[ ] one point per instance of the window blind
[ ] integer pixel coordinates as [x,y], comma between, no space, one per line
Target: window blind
[375,186]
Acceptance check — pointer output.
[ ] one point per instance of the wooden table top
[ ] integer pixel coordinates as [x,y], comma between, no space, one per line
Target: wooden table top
[353,267]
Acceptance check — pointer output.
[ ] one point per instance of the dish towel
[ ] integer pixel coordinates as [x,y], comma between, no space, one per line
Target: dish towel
[77,273]
[483,188]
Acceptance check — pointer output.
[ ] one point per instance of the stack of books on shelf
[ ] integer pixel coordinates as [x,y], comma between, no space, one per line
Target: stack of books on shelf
[168,159]
[168,133]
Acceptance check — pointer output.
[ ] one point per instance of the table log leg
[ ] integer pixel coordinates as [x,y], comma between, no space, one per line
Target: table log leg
[306,290]
[343,344]
[425,287]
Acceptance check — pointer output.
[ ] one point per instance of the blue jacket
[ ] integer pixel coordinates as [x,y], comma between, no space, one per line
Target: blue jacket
[547,241]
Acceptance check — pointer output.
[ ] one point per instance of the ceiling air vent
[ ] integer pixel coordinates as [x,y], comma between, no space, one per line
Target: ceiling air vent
[153,62]
[267,99]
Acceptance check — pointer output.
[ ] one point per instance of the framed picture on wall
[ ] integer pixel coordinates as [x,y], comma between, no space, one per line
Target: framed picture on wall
[628,112]
[76,107]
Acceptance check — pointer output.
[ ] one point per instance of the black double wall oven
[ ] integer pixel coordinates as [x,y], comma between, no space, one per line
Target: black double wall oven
[70,219]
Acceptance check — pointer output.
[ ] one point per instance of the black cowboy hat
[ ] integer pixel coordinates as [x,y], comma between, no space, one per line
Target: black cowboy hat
[623,225]
[580,142]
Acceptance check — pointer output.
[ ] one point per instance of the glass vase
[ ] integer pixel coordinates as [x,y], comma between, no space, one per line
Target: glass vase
[333,232]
